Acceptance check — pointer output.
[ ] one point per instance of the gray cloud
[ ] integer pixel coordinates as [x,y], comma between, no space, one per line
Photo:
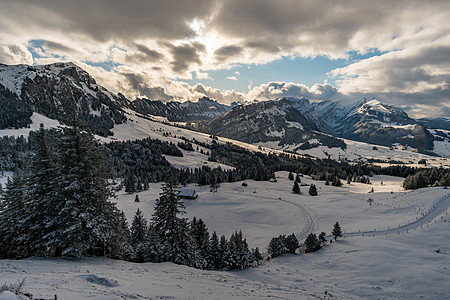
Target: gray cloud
[104,20]
[54,46]
[144,55]
[226,52]
[185,55]
[151,54]
[139,84]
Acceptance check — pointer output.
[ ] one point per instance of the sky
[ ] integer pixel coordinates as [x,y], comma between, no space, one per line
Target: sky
[241,50]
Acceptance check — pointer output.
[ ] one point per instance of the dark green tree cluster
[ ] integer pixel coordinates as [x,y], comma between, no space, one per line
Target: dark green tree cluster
[170,237]
[186,145]
[312,190]
[59,204]
[13,152]
[427,177]
[14,112]
[141,162]
[282,244]
[312,243]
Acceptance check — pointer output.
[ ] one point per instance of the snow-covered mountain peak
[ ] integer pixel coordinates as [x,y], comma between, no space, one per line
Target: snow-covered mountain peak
[14,77]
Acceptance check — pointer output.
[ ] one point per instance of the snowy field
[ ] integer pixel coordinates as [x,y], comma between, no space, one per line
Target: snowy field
[389,251]
[381,264]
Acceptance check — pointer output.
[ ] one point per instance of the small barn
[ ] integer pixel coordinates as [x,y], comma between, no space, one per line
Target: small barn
[187,193]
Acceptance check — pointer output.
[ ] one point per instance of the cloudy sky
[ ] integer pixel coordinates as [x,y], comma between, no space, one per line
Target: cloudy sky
[236,50]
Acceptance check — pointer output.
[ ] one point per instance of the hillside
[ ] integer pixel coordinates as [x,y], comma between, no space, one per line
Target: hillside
[59,91]
[364,266]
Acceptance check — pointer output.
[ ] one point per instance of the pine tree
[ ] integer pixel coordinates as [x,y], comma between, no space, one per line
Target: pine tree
[291,243]
[296,188]
[136,199]
[238,254]
[13,210]
[297,178]
[322,238]
[214,257]
[276,246]
[223,245]
[87,222]
[257,256]
[291,176]
[337,231]
[200,237]
[42,197]
[312,243]
[172,232]
[312,190]
[336,182]
[138,239]
[130,182]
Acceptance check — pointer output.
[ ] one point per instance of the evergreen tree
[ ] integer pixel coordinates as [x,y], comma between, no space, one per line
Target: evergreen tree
[336,182]
[13,209]
[238,254]
[291,176]
[42,197]
[223,245]
[200,236]
[87,222]
[291,243]
[312,190]
[312,243]
[136,199]
[130,182]
[172,232]
[297,178]
[138,239]
[276,246]
[257,256]
[214,257]
[296,188]
[322,238]
[337,231]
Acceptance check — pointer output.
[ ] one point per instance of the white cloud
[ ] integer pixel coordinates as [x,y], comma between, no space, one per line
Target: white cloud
[203,75]
[234,78]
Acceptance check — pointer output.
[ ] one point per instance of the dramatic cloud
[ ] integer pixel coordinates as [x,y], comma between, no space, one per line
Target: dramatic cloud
[395,50]
[138,83]
[105,20]
[15,54]
[226,97]
[276,90]
[227,52]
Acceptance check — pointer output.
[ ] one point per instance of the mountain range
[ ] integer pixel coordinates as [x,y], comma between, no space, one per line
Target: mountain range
[63,91]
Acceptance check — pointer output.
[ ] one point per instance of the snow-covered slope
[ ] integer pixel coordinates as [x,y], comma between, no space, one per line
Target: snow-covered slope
[403,265]
[270,121]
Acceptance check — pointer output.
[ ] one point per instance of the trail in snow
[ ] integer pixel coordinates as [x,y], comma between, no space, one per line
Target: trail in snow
[438,209]
[308,214]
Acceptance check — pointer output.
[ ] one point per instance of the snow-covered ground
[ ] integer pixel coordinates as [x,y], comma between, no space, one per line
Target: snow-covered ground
[379,259]
[397,265]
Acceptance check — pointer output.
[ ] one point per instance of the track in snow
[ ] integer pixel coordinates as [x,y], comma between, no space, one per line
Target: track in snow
[308,214]
[438,209]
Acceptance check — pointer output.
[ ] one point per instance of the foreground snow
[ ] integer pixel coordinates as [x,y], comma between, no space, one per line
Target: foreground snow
[402,264]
